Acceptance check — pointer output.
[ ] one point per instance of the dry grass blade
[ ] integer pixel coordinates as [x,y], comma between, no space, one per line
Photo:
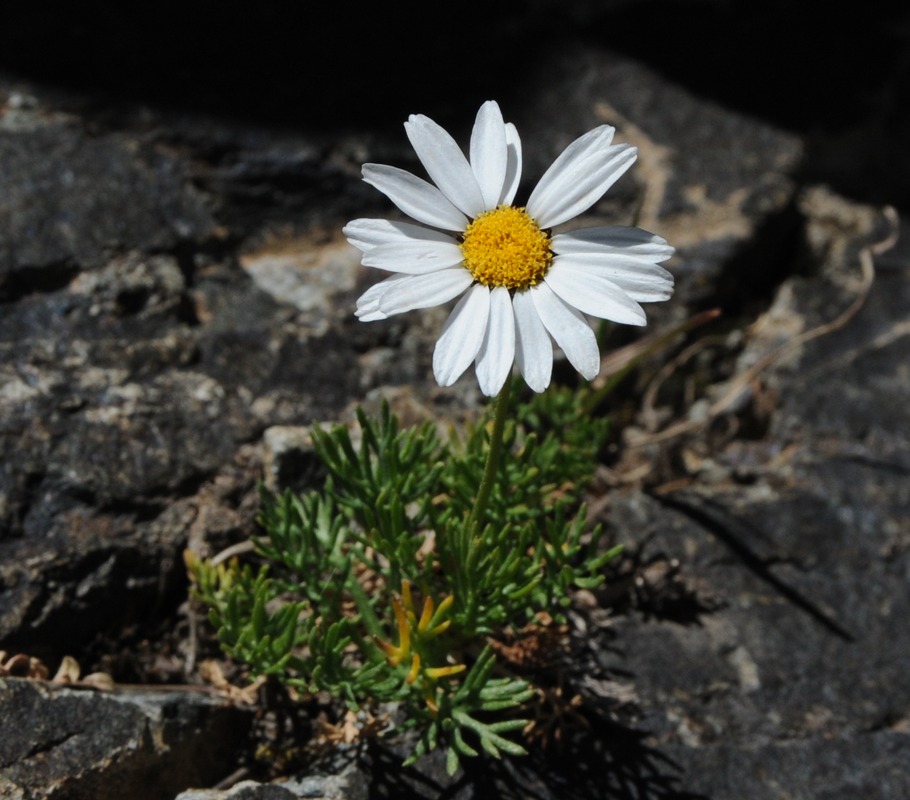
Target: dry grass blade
[614,367]
[741,382]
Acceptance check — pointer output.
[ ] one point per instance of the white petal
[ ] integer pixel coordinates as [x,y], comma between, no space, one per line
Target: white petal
[579,177]
[462,335]
[617,262]
[494,361]
[368,302]
[417,198]
[613,239]
[593,294]
[578,151]
[424,291]
[414,257]
[368,233]
[489,153]
[533,349]
[644,289]
[445,163]
[569,329]
[638,278]
[513,167]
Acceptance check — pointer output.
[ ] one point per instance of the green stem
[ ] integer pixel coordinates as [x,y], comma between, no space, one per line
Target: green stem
[493,458]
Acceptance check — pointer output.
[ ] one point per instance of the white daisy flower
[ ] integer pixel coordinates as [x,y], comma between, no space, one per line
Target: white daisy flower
[521,285]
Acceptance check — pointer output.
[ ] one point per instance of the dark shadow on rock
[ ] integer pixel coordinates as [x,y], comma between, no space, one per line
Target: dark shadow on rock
[609,762]
[752,274]
[381,766]
[657,586]
[736,533]
[606,762]
[300,63]
[45,277]
[809,71]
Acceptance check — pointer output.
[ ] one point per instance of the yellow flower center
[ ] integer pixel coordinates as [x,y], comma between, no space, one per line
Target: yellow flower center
[505,247]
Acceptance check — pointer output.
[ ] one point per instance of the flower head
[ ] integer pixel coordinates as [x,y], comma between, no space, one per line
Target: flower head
[521,286]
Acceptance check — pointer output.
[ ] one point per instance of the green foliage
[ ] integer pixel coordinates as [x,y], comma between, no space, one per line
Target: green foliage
[331,606]
[480,694]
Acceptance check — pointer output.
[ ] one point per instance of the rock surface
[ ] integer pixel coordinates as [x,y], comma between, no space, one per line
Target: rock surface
[60,743]
[177,307]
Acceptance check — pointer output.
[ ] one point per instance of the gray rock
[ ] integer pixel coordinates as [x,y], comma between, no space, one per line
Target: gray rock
[792,679]
[72,198]
[131,378]
[349,785]
[58,743]
[871,766]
